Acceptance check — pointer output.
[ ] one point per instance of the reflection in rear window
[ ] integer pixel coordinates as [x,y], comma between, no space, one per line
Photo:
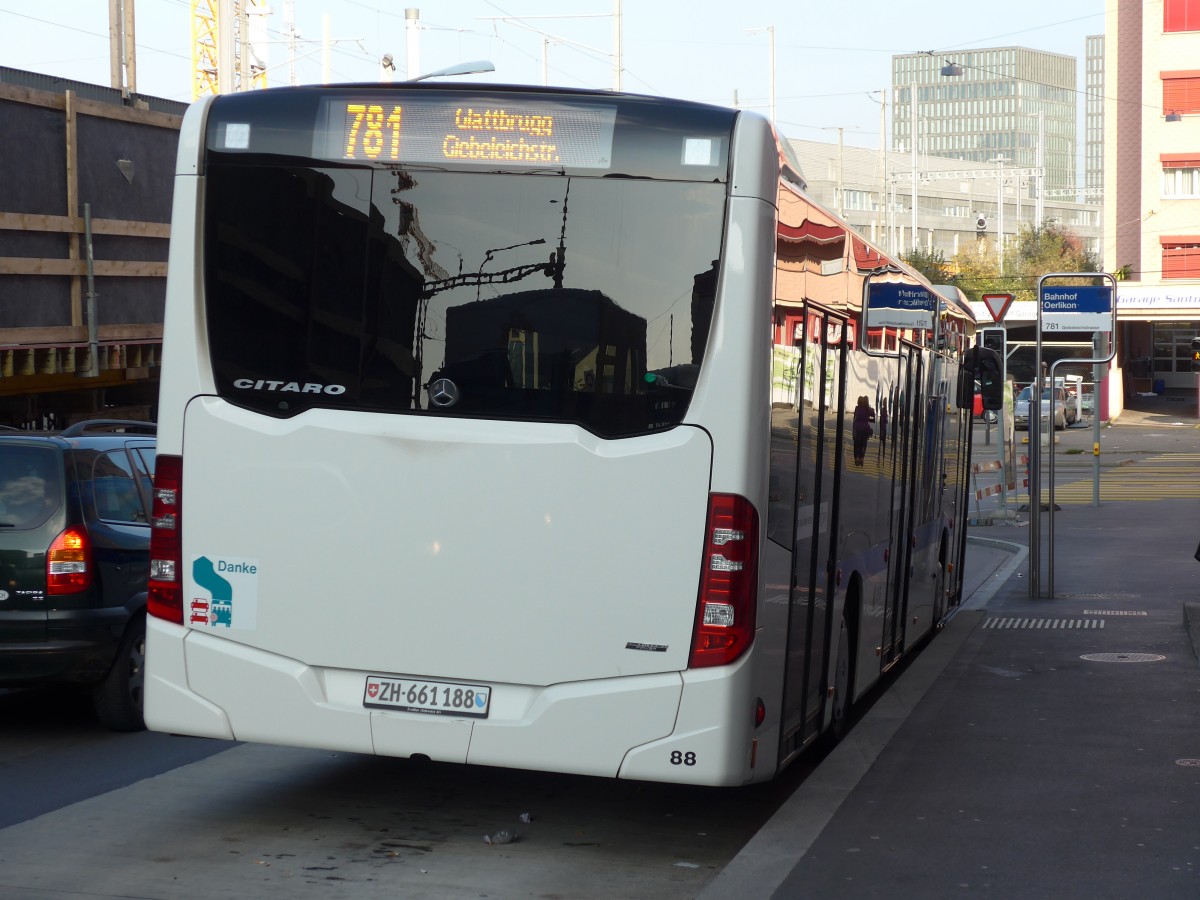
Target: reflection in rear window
[513,296]
[30,485]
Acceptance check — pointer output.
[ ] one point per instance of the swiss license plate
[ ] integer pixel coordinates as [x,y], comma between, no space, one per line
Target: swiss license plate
[439,698]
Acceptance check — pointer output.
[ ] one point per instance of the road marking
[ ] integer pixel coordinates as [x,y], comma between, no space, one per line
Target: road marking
[1166,477]
[1011,623]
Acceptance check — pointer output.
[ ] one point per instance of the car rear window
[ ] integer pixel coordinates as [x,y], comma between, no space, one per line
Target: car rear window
[115,488]
[31,485]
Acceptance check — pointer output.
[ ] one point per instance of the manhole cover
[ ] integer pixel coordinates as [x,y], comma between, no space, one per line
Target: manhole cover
[1122,657]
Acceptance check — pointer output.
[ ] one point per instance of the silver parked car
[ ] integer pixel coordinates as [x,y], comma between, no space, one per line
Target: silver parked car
[1021,407]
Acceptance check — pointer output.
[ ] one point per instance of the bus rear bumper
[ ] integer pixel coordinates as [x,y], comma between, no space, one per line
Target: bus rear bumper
[648,727]
[714,739]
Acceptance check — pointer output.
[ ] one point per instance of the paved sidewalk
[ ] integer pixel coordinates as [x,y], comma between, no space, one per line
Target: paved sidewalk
[1038,747]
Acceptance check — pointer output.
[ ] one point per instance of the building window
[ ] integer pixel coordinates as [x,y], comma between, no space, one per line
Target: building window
[1181,256]
[1181,183]
[1181,15]
[1173,346]
[1180,174]
[862,200]
[1181,92]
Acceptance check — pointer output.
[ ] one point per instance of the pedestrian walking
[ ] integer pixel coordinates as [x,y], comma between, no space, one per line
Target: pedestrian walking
[862,429]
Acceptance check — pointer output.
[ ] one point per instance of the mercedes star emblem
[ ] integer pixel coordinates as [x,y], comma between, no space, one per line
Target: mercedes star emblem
[443,392]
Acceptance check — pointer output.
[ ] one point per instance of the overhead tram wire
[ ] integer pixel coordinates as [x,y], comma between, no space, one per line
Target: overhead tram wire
[957,60]
[967,46]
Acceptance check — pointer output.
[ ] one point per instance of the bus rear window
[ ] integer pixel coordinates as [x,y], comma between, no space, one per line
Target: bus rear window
[506,295]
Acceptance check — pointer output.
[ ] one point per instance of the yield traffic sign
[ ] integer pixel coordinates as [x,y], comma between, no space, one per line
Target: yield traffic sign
[998,305]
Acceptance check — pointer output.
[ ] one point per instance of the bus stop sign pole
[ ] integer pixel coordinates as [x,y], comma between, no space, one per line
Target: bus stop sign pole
[1075,307]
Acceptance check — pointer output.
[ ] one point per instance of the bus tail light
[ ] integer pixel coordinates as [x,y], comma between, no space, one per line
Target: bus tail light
[726,607]
[69,562]
[165,600]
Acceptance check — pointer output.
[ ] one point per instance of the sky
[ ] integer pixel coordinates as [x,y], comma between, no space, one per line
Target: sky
[831,64]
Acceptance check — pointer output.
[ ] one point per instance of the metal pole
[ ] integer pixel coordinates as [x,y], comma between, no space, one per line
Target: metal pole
[115,52]
[1003,427]
[893,244]
[1035,443]
[1034,533]
[1050,475]
[129,48]
[1099,348]
[225,47]
[289,30]
[617,46]
[841,206]
[93,331]
[912,140]
[243,16]
[1017,211]
[412,26]
[880,217]
[771,35]
[1039,179]
[1000,225]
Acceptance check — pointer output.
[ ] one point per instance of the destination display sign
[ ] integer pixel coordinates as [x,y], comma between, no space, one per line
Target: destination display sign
[1085,308]
[523,133]
[893,305]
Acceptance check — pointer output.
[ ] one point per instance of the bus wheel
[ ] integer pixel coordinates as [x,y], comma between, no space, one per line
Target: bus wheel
[841,685]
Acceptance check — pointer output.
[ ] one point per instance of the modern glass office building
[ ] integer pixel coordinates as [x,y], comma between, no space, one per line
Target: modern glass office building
[1008,104]
[1093,121]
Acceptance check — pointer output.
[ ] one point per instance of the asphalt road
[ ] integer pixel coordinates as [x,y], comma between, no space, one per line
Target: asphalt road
[85,815]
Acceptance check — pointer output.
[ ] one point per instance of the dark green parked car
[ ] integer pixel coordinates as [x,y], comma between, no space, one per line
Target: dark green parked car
[74,560]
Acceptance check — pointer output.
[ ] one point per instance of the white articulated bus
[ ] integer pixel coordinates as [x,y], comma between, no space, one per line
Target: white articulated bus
[512,427]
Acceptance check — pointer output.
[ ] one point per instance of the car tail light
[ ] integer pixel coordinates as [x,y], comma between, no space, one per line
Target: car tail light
[726,607]
[165,599]
[69,562]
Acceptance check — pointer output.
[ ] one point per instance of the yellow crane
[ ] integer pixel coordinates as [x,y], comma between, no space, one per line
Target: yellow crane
[228,53]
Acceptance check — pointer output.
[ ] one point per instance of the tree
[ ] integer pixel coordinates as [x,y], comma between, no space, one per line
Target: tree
[930,263]
[1040,251]
[977,270]
[1037,251]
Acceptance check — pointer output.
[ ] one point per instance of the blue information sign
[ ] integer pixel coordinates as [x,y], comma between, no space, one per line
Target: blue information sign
[1087,308]
[893,305]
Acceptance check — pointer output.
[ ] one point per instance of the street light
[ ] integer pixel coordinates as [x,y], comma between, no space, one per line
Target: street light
[949,69]
[952,68]
[467,68]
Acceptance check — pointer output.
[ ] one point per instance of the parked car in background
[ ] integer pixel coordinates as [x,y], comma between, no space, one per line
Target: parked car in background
[74,561]
[1057,395]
